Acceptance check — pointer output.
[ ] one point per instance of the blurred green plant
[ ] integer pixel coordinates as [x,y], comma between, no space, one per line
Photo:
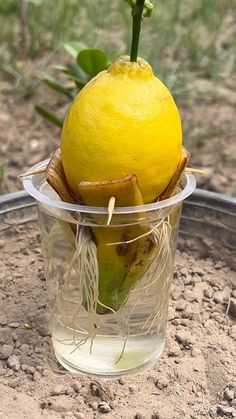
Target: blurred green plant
[7,7]
[3,165]
[88,62]
[184,41]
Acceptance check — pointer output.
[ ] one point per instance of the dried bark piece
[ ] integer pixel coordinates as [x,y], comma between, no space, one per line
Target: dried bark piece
[171,187]
[56,178]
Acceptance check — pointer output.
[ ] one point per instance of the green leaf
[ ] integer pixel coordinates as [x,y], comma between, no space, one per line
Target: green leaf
[70,75]
[76,71]
[50,116]
[3,164]
[58,87]
[60,68]
[92,61]
[73,48]
[73,71]
[77,81]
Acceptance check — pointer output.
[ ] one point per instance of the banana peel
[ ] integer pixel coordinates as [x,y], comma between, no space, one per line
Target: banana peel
[121,264]
[173,184]
[56,178]
[122,261]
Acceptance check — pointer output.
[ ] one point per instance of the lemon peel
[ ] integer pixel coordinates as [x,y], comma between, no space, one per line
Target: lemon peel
[123,121]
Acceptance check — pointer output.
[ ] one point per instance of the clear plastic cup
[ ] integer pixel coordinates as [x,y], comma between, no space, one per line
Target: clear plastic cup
[108,284]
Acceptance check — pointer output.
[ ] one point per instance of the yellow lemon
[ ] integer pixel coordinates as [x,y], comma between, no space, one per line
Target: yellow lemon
[124,121]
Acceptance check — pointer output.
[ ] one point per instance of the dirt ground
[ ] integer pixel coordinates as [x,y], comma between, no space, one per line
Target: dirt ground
[194,380]
[209,127]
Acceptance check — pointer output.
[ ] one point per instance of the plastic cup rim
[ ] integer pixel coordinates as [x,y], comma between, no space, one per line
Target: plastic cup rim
[44,199]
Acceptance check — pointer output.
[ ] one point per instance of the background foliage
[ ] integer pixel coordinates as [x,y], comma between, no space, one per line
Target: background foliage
[184,39]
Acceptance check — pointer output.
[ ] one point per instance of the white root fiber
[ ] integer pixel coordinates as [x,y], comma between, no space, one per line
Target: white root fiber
[82,275]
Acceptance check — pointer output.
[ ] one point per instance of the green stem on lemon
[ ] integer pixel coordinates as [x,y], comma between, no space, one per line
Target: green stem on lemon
[137,14]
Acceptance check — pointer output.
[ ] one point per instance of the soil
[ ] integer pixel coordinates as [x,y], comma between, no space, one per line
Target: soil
[195,379]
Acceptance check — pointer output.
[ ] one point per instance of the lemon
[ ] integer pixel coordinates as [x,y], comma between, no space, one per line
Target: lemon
[122,137]
[124,121]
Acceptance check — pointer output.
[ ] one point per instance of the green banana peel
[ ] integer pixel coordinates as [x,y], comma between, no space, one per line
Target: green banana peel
[121,263]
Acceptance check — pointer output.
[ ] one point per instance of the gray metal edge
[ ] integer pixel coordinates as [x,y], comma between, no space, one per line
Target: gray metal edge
[203,193]
[7,198]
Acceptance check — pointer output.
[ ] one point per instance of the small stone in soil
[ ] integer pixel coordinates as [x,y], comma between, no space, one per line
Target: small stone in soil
[188,280]
[96,390]
[188,312]
[138,416]
[162,383]
[195,352]
[104,407]
[219,265]
[29,369]
[176,295]
[229,394]
[79,415]
[121,381]
[113,403]
[196,279]
[13,363]
[132,389]
[181,306]
[6,336]
[58,390]
[18,276]
[94,405]
[3,320]
[220,297]
[6,351]
[198,271]
[184,338]
[38,350]
[190,296]
[14,325]
[36,376]
[77,386]
[41,324]
[2,371]
[15,383]
[25,348]
[69,391]
[174,349]
[225,411]
[208,293]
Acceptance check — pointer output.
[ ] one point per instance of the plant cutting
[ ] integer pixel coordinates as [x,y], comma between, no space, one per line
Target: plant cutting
[109,241]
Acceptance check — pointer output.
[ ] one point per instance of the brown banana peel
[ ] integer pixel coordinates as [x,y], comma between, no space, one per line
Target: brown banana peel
[123,254]
[121,264]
